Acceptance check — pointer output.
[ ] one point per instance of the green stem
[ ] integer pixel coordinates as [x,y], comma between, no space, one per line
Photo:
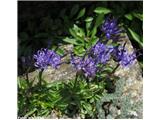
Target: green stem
[87,82]
[115,69]
[40,77]
[75,83]
[27,80]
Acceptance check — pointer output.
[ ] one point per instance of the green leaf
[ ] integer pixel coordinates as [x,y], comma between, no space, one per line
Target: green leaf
[63,105]
[79,50]
[87,106]
[77,33]
[102,10]
[97,97]
[71,41]
[92,41]
[60,51]
[89,19]
[30,112]
[81,13]
[99,20]
[94,31]
[108,69]
[136,37]
[138,15]
[19,83]
[129,16]
[74,10]
[91,100]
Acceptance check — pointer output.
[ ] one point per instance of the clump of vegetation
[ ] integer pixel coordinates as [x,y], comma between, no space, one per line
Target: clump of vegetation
[96,40]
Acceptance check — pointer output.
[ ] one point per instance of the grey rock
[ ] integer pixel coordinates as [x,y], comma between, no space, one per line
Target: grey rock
[133,83]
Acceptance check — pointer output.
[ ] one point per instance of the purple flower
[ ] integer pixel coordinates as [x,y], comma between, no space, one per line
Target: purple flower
[111,29]
[86,65]
[128,59]
[99,48]
[123,57]
[89,67]
[103,58]
[102,53]
[45,57]
[76,62]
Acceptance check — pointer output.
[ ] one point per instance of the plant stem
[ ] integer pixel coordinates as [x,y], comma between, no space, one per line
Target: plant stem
[40,77]
[87,82]
[75,83]
[27,79]
[115,69]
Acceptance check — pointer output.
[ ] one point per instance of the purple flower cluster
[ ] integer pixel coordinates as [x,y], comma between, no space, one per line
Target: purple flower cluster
[111,29]
[124,58]
[45,57]
[102,53]
[87,66]
[99,54]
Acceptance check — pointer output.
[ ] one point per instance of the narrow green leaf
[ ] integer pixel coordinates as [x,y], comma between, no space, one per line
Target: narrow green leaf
[99,20]
[71,41]
[91,100]
[87,106]
[108,69]
[19,83]
[81,13]
[88,27]
[60,51]
[102,10]
[136,37]
[77,33]
[138,15]
[94,31]
[79,50]
[74,34]
[129,16]
[30,112]
[89,19]
[93,41]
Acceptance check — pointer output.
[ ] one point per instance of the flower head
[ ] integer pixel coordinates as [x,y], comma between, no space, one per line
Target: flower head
[76,62]
[102,53]
[86,65]
[123,57]
[89,67]
[111,29]
[45,57]
[99,48]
